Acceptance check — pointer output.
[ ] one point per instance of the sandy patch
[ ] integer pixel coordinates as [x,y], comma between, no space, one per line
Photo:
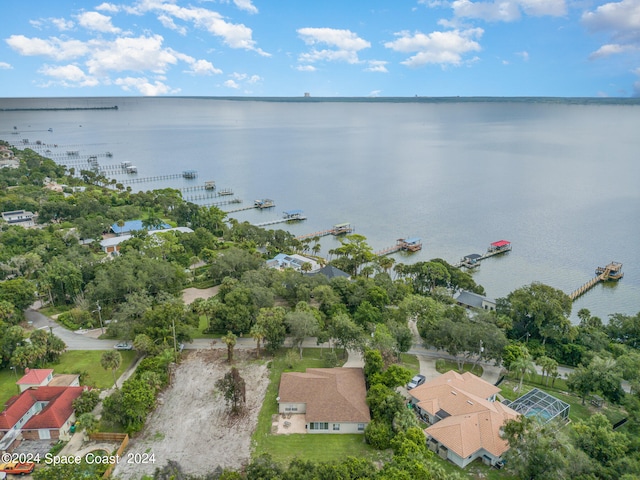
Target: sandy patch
[191,424]
[190,294]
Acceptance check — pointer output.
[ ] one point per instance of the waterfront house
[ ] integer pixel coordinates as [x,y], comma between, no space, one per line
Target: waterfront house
[111,245]
[22,218]
[473,300]
[332,400]
[464,417]
[131,226]
[295,261]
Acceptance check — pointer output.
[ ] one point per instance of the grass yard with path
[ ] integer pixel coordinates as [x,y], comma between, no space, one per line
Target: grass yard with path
[284,448]
[443,366]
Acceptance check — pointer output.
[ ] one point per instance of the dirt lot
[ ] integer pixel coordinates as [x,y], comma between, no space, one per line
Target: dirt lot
[191,424]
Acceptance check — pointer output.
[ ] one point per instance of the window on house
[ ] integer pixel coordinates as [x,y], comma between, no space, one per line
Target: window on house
[336,426]
[319,426]
[361,427]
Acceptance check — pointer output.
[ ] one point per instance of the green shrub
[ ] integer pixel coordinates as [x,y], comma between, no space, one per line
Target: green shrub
[378,434]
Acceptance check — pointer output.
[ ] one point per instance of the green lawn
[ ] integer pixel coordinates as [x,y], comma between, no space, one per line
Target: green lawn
[411,362]
[8,387]
[75,361]
[283,448]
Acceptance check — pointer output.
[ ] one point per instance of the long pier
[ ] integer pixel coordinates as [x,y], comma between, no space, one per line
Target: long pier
[152,179]
[288,216]
[407,245]
[613,271]
[474,259]
[340,229]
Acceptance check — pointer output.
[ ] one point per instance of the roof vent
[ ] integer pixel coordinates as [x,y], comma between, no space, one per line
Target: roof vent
[469,402]
[453,393]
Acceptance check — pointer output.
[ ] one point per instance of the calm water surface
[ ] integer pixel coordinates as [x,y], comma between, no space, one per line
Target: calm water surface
[558,179]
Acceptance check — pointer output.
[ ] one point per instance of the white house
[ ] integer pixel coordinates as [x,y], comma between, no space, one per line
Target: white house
[295,261]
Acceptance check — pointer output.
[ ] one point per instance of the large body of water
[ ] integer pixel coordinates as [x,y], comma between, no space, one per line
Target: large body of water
[559,179]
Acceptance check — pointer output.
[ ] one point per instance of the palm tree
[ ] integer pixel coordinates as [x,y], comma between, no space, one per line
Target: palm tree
[523,366]
[230,340]
[258,333]
[111,360]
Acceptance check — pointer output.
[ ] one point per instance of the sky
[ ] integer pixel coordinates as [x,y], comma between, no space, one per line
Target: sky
[328,48]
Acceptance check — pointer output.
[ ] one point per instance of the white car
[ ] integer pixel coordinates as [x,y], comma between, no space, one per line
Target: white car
[416,382]
[123,346]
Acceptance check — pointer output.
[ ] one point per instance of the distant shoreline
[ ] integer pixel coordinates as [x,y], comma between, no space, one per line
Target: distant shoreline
[115,107]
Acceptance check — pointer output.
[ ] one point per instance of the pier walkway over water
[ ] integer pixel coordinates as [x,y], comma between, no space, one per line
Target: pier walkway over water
[613,271]
[474,259]
[407,245]
[339,229]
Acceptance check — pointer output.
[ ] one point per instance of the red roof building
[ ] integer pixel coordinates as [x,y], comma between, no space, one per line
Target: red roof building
[42,413]
[35,378]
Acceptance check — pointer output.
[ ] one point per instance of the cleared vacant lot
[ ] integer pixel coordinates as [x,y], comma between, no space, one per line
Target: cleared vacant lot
[191,424]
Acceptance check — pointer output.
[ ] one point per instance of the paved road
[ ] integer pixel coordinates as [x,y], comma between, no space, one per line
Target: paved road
[74,341]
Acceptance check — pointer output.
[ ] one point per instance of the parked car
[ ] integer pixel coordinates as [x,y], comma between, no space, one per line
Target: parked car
[17,468]
[123,346]
[416,382]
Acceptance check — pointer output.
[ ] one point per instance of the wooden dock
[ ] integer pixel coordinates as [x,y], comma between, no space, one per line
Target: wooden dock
[613,271]
[473,260]
[287,216]
[339,229]
[402,244]
[151,179]
[257,204]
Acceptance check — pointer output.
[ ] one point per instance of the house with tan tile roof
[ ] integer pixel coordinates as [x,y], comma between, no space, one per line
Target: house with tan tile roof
[465,419]
[333,400]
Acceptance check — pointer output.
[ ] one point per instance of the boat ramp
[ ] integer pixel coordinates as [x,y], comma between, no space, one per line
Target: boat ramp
[613,271]
[402,244]
[473,260]
[338,229]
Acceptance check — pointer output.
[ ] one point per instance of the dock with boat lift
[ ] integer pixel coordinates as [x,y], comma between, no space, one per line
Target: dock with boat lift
[402,244]
[287,216]
[259,204]
[338,229]
[473,260]
[611,272]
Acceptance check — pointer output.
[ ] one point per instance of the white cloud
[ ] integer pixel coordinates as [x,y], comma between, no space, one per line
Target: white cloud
[377,66]
[611,49]
[344,45]
[524,55]
[246,5]
[135,53]
[62,24]
[203,67]
[167,22]
[375,93]
[620,19]
[234,35]
[69,76]
[231,84]
[508,10]
[306,68]
[144,86]
[97,22]
[108,7]
[5,66]
[53,47]
[444,48]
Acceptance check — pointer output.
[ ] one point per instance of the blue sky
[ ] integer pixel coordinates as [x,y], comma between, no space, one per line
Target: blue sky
[327,48]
